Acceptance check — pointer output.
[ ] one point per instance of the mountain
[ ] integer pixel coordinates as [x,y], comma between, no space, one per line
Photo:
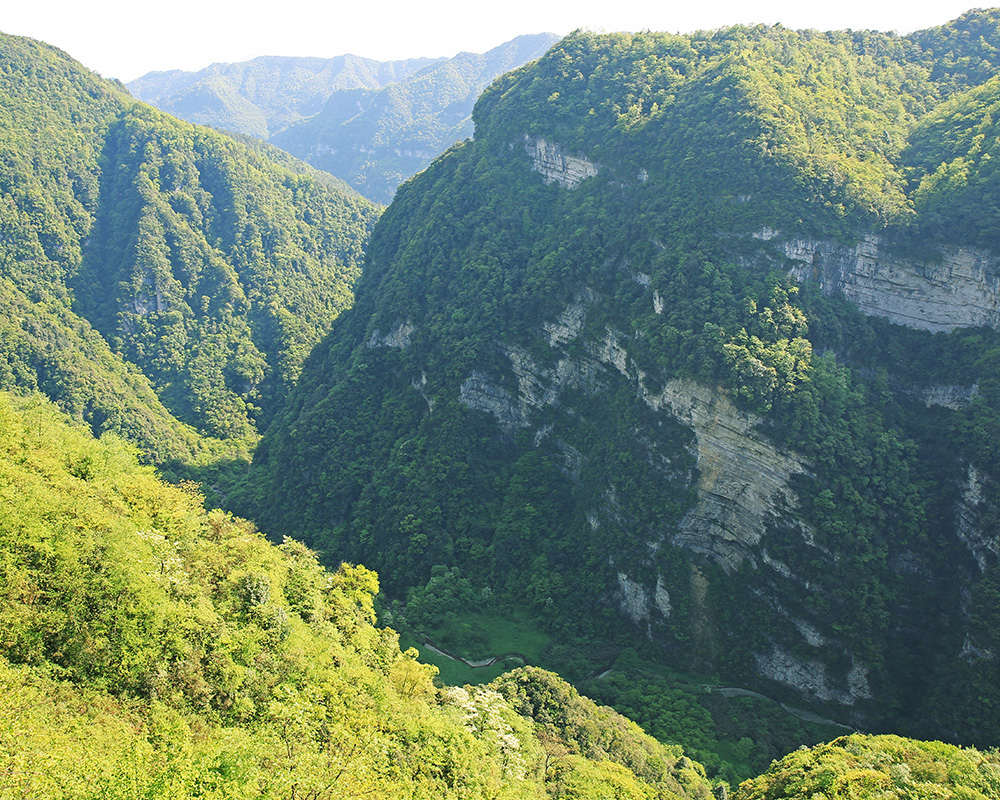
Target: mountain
[160,280]
[151,648]
[373,124]
[691,349]
[375,139]
[265,95]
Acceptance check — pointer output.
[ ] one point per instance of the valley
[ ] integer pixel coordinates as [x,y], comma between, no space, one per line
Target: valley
[667,397]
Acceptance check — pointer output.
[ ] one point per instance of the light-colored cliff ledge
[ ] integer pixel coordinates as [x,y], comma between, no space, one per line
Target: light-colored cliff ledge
[743,478]
[959,289]
[549,159]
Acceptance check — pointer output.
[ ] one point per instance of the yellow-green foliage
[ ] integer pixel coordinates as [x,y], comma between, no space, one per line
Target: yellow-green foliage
[856,767]
[151,649]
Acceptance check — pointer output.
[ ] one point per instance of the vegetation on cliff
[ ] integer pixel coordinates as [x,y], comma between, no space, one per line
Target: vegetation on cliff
[497,402]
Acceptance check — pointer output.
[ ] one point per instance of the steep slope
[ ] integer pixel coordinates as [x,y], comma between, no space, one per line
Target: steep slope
[376,139]
[161,280]
[152,649]
[604,359]
[267,94]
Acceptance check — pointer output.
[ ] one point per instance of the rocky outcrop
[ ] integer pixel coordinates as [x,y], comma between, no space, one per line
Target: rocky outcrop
[549,159]
[481,393]
[398,337]
[743,482]
[950,396]
[743,478]
[812,678]
[637,601]
[969,528]
[959,288]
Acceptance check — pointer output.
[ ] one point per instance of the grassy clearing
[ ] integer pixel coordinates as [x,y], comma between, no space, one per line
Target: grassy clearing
[515,640]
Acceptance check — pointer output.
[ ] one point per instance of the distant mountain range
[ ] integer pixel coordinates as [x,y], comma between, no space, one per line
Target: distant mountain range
[372,123]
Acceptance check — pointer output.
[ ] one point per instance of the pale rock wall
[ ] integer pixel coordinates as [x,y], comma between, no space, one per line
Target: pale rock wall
[811,677]
[950,396]
[959,289]
[984,547]
[549,159]
[637,601]
[743,482]
[634,602]
[398,337]
[744,478]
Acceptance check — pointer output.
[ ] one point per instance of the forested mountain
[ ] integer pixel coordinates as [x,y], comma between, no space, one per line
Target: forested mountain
[151,649]
[373,124]
[376,139]
[698,332]
[267,94]
[159,280]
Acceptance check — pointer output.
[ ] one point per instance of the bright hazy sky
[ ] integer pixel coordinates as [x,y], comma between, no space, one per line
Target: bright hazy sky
[127,38]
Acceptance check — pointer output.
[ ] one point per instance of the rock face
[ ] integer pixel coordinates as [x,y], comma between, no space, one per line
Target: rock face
[959,289]
[743,479]
[985,549]
[549,159]
[742,483]
[398,337]
[811,677]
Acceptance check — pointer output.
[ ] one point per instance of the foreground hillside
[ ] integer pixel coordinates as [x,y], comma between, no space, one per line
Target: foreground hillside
[158,280]
[151,649]
[699,333]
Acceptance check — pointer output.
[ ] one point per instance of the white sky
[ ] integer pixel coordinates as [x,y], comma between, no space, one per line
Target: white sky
[126,38]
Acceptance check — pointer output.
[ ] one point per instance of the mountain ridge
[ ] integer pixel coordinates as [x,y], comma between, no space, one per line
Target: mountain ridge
[613,235]
[373,124]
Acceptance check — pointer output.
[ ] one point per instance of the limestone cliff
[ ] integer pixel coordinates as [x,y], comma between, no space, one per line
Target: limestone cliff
[956,287]
[554,164]
[741,480]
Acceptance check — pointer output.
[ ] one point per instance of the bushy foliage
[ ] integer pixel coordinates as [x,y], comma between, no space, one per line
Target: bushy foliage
[877,766]
[153,649]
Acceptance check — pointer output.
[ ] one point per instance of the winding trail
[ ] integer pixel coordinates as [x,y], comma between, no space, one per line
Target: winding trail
[725,691]
[806,716]
[486,662]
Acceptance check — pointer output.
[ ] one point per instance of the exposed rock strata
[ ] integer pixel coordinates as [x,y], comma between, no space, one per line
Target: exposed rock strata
[811,677]
[398,337]
[549,159]
[743,482]
[637,602]
[743,478]
[984,547]
[959,289]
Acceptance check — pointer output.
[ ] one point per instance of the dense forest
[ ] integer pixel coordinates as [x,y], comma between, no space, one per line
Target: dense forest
[602,363]
[679,377]
[159,280]
[153,649]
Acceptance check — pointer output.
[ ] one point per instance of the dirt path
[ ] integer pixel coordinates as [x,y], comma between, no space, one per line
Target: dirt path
[806,716]
[486,662]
